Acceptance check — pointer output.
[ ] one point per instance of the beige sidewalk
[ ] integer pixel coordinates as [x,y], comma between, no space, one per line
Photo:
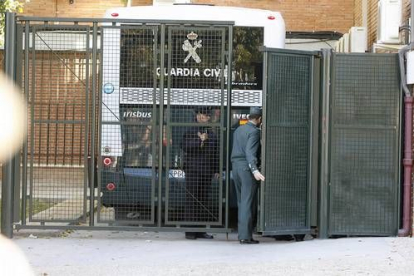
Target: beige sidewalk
[142,253]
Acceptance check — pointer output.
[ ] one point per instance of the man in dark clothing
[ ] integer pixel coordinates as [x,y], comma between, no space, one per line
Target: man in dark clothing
[201,164]
[246,174]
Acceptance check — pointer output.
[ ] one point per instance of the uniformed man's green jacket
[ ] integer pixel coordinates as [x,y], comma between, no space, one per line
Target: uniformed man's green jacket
[246,146]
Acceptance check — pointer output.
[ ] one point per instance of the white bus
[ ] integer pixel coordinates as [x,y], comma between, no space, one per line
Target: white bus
[267,28]
[133,75]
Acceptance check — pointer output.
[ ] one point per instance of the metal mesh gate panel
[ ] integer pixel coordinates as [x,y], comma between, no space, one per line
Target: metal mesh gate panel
[287,143]
[58,78]
[194,125]
[126,124]
[128,146]
[364,145]
[162,125]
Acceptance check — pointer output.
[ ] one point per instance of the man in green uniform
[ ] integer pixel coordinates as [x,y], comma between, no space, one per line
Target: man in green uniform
[246,174]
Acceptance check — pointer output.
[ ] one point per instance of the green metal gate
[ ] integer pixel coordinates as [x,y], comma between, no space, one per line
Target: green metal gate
[57,89]
[110,104]
[145,141]
[364,143]
[290,141]
[108,135]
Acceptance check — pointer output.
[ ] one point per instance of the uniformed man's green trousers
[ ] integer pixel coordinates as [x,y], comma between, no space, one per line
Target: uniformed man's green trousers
[246,190]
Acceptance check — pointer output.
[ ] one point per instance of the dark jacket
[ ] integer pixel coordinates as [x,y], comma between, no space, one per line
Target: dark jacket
[246,146]
[198,156]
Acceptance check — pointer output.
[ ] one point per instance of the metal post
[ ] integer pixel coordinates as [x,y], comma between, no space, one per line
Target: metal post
[228,121]
[412,22]
[7,186]
[408,164]
[26,143]
[324,175]
[264,130]
[93,127]
[17,161]
[161,118]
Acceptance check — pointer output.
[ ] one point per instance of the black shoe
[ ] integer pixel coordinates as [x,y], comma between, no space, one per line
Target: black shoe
[190,236]
[249,241]
[284,238]
[204,236]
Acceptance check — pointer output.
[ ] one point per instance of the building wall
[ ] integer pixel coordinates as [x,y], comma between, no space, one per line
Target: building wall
[79,8]
[300,15]
[372,14]
[372,17]
[303,15]
[358,13]
[406,9]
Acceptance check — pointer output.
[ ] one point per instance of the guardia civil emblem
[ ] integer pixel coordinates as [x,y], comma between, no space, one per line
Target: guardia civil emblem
[191,48]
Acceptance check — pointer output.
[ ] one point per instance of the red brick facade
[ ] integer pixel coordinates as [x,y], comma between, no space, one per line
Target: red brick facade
[300,15]
[372,15]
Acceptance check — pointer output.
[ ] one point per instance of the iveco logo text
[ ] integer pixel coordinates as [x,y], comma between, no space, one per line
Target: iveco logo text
[241,116]
[137,114]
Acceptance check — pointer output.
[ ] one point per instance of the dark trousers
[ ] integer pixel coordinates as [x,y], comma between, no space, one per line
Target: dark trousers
[246,190]
[198,204]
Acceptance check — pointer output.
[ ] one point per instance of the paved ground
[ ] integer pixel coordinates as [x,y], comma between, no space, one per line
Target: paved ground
[142,253]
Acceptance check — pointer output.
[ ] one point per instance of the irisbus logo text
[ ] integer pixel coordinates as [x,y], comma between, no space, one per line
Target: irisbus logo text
[137,114]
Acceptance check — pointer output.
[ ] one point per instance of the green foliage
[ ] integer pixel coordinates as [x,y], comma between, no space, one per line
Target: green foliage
[246,56]
[37,206]
[7,6]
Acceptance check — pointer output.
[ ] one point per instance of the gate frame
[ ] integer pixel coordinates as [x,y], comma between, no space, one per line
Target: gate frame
[327,93]
[10,169]
[314,121]
[24,23]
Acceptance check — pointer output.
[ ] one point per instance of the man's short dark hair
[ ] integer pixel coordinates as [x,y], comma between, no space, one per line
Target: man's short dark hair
[257,110]
[206,110]
[254,116]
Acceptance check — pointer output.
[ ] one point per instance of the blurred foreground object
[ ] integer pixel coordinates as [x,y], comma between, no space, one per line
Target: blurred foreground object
[12,118]
[12,260]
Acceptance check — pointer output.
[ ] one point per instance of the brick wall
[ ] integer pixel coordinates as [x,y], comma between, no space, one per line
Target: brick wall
[406,15]
[372,22]
[406,9]
[303,15]
[60,85]
[358,13]
[60,95]
[372,10]
[80,8]
[373,17]
[300,15]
